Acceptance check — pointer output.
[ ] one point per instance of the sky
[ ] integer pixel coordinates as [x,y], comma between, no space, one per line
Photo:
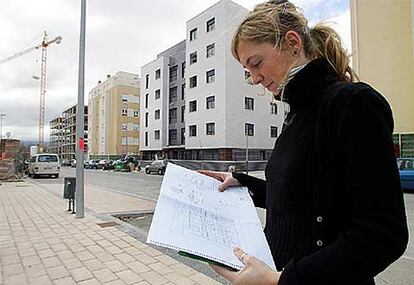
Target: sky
[121,35]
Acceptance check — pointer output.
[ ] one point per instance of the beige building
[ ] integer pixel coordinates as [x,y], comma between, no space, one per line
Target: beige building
[383,42]
[114,116]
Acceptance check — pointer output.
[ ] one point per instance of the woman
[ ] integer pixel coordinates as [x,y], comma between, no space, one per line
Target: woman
[330,218]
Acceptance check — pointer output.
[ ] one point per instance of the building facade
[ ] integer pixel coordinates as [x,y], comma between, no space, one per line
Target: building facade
[69,132]
[114,116]
[383,44]
[207,109]
[56,136]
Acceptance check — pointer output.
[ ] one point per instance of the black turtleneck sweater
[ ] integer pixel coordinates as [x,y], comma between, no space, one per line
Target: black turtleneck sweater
[335,210]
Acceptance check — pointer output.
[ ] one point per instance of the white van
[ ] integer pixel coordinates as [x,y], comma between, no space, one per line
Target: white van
[44,164]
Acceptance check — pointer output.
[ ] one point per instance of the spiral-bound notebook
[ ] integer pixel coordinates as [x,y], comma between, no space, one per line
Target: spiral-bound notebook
[192,216]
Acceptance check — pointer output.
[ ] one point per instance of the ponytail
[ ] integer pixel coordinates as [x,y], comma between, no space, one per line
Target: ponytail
[326,43]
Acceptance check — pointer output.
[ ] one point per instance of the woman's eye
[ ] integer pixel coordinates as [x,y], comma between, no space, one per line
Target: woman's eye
[257,63]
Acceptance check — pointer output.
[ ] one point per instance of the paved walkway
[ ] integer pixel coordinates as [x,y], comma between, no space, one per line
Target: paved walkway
[41,243]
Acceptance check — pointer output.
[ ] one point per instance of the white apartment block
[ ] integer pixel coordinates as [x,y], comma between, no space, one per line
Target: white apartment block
[114,116]
[220,107]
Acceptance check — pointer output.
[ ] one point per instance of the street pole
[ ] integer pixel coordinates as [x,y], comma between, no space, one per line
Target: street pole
[247,153]
[80,118]
[1,130]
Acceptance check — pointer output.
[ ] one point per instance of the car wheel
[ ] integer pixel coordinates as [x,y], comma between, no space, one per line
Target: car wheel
[147,171]
[35,176]
[160,172]
[57,176]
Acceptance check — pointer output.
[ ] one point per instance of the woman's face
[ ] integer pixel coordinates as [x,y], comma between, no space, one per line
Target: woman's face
[267,65]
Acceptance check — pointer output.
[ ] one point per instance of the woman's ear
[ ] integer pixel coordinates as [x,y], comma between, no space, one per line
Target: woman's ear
[293,42]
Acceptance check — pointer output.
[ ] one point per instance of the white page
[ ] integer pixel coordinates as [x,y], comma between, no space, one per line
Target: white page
[192,215]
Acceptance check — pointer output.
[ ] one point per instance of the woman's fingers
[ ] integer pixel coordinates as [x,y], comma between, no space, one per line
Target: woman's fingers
[240,254]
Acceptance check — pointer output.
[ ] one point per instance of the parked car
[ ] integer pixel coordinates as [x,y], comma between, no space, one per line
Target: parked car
[92,164]
[157,166]
[109,165]
[73,163]
[103,162]
[406,168]
[66,162]
[44,164]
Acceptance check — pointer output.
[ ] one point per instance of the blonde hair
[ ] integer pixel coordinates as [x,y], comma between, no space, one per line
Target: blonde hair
[271,20]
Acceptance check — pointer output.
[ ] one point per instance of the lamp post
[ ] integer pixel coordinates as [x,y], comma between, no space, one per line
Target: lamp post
[80,118]
[1,130]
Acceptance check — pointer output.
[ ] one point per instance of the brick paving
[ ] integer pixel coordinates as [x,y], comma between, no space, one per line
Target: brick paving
[41,243]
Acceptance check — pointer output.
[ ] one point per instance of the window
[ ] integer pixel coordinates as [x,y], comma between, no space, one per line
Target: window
[157,134]
[124,127]
[193,130]
[182,113]
[146,119]
[182,91]
[193,106]
[146,81]
[193,57]
[193,34]
[210,102]
[157,114]
[136,113]
[210,76]
[273,132]
[210,50]
[146,100]
[247,75]
[124,98]
[249,129]
[124,112]
[193,81]
[273,108]
[172,137]
[157,73]
[211,24]
[173,73]
[182,135]
[157,94]
[210,129]
[248,103]
[173,115]
[146,138]
[183,69]
[173,94]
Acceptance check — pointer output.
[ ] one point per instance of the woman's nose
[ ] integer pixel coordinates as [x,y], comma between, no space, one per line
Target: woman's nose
[256,78]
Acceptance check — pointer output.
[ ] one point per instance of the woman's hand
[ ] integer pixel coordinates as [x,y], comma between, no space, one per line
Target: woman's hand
[255,272]
[225,177]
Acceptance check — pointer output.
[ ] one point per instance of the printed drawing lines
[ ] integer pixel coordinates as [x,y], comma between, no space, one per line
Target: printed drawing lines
[212,227]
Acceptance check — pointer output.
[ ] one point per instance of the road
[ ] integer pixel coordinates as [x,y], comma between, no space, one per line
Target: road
[146,186]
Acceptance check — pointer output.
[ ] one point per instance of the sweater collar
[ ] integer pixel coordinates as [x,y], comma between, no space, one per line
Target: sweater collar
[305,87]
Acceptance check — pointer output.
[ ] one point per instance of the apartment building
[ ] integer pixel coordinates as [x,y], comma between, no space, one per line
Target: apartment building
[56,136]
[69,132]
[114,116]
[383,44]
[163,104]
[217,115]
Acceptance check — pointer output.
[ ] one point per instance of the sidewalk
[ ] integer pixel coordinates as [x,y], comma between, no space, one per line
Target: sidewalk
[41,243]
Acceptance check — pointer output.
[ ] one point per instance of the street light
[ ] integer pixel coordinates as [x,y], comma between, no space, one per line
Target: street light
[1,125]
[1,130]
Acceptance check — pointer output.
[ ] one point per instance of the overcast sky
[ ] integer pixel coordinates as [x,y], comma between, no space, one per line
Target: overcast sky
[121,35]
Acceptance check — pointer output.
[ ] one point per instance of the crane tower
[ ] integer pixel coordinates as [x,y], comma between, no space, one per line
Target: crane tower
[44,45]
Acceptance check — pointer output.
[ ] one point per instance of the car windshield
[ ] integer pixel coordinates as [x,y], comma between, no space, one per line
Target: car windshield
[47,158]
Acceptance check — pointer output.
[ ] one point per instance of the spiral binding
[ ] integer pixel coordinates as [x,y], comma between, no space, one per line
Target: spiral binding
[196,253]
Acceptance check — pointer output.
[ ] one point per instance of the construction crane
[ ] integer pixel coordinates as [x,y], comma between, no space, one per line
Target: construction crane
[44,45]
